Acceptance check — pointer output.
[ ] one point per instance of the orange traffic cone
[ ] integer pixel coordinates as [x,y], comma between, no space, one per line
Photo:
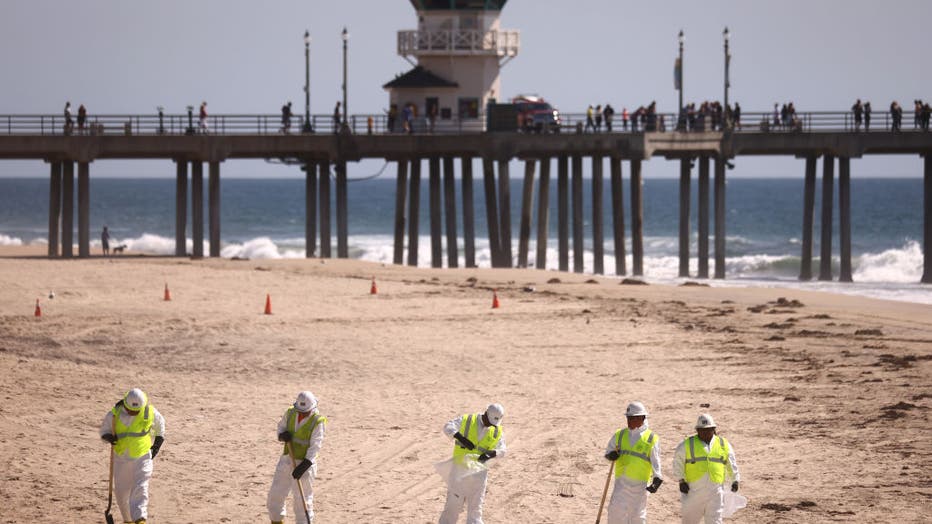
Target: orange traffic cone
[373,290]
[38,309]
[168,294]
[495,304]
[268,304]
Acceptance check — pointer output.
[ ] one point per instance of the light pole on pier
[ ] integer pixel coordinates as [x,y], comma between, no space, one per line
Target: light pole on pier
[307,83]
[345,36]
[725,36]
[681,117]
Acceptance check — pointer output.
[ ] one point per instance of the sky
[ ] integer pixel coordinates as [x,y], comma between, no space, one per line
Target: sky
[244,56]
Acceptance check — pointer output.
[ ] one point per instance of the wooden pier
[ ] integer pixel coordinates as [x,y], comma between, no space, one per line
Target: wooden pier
[318,153]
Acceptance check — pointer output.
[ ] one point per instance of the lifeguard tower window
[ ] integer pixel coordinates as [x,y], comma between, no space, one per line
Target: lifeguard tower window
[469,108]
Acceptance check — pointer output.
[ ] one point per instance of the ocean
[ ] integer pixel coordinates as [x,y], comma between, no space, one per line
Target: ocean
[264,218]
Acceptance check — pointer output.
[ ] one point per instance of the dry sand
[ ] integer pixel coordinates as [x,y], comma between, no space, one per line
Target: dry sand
[826,401]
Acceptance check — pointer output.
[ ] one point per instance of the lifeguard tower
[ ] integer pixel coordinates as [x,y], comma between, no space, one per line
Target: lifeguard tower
[457,51]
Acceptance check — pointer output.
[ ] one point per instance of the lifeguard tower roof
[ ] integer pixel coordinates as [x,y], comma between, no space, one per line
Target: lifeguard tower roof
[458,5]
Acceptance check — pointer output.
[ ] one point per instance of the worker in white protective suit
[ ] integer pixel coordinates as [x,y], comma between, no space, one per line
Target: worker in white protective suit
[635,450]
[136,431]
[703,464]
[302,430]
[478,438]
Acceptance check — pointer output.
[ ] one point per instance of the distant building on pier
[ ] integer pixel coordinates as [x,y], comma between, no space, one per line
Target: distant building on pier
[457,51]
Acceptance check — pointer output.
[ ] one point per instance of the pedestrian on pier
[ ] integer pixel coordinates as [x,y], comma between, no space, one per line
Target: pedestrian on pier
[202,118]
[917,113]
[336,118]
[590,123]
[737,115]
[776,115]
[69,123]
[82,118]
[598,118]
[858,111]
[392,117]
[609,113]
[624,118]
[286,118]
[896,116]
[867,116]
[926,115]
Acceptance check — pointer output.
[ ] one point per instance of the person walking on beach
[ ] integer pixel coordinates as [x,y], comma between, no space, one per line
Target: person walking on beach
[703,463]
[136,430]
[69,123]
[301,428]
[867,116]
[202,118]
[105,241]
[635,450]
[286,118]
[478,438]
[858,111]
[82,118]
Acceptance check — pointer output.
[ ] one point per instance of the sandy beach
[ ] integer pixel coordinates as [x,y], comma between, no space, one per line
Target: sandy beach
[825,398]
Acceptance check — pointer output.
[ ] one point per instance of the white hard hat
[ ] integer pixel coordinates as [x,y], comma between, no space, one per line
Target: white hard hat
[495,413]
[305,402]
[636,409]
[705,421]
[135,399]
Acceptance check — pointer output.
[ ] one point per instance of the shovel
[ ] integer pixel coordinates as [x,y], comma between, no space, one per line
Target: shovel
[107,516]
[294,464]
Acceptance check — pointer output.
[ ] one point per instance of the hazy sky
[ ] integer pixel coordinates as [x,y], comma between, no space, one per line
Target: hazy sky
[245,56]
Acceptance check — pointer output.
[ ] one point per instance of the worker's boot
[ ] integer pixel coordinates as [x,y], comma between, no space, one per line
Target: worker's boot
[277,522]
[140,521]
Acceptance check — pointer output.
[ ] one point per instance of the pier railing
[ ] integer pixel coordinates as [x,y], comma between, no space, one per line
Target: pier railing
[271,124]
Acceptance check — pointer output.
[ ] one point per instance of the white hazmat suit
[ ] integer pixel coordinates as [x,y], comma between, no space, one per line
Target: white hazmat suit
[283,483]
[468,490]
[705,498]
[629,497]
[131,476]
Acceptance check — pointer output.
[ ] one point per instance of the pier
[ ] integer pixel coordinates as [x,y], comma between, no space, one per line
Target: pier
[826,138]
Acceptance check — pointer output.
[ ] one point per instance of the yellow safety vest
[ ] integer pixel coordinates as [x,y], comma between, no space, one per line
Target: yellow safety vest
[136,438]
[698,462]
[301,435]
[469,429]
[634,461]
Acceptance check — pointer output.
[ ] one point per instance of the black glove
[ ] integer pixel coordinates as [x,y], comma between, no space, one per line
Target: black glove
[486,456]
[734,486]
[284,436]
[465,442]
[301,469]
[156,446]
[654,485]
[612,455]
[109,437]
[684,487]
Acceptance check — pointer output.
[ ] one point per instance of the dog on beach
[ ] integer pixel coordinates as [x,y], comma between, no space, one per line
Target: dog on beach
[119,249]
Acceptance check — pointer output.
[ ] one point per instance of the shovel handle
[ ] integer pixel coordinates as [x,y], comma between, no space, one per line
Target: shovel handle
[608,480]
[294,464]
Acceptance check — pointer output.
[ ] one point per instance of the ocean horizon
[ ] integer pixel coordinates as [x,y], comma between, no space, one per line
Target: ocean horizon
[264,219]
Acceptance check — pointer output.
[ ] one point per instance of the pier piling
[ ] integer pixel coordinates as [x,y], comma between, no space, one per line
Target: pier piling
[685,175]
[54,207]
[197,209]
[491,211]
[703,225]
[310,209]
[598,241]
[719,190]
[844,217]
[414,207]
[927,221]
[342,211]
[637,220]
[401,193]
[181,207]
[527,200]
[543,213]
[469,213]
[449,205]
[618,215]
[435,210]
[578,238]
[323,197]
[213,198]
[67,209]
[84,210]
[828,175]
[563,228]
[805,269]
[504,212]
